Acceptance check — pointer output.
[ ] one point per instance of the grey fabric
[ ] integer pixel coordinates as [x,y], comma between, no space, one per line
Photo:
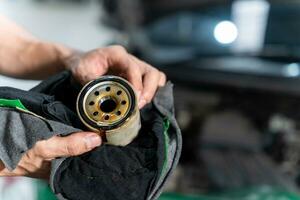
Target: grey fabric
[21,130]
[164,103]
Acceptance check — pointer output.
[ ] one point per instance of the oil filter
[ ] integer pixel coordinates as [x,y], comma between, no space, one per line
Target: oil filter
[108,105]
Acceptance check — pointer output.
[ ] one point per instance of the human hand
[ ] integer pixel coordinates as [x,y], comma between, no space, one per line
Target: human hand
[36,162]
[115,60]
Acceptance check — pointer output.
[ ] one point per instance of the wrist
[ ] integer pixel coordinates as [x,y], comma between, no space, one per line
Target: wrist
[36,59]
[64,54]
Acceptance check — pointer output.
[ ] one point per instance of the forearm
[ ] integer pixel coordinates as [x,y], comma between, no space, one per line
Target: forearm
[35,60]
[23,56]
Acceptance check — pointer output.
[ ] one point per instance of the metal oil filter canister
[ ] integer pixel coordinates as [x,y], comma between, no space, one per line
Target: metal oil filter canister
[108,105]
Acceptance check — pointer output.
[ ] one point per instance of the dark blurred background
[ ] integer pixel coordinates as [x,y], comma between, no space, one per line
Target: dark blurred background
[235,66]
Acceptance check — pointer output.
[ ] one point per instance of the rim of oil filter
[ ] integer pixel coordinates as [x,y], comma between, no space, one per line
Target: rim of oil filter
[106,103]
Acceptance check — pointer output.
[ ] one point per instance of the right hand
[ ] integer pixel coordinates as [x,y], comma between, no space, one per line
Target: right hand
[115,60]
[36,162]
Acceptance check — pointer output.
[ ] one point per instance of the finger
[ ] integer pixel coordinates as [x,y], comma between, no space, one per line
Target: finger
[72,145]
[162,79]
[117,56]
[134,75]
[150,82]
[125,65]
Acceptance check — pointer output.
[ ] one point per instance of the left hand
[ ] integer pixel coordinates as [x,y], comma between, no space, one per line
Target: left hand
[116,60]
[36,162]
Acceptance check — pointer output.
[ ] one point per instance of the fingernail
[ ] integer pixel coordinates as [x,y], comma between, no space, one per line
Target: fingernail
[142,102]
[92,141]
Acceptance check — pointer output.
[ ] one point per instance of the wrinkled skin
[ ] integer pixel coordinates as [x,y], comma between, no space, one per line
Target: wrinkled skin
[114,60]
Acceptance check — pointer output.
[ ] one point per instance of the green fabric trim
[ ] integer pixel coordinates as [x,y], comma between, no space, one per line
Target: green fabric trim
[257,193]
[12,103]
[17,104]
[166,141]
[43,191]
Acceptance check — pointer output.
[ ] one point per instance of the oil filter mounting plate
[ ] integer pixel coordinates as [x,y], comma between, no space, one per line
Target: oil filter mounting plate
[108,104]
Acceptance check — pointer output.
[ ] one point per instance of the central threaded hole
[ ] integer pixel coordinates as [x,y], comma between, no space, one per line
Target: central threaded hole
[108,105]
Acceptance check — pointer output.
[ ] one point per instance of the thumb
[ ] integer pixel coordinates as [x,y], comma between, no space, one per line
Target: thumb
[72,145]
